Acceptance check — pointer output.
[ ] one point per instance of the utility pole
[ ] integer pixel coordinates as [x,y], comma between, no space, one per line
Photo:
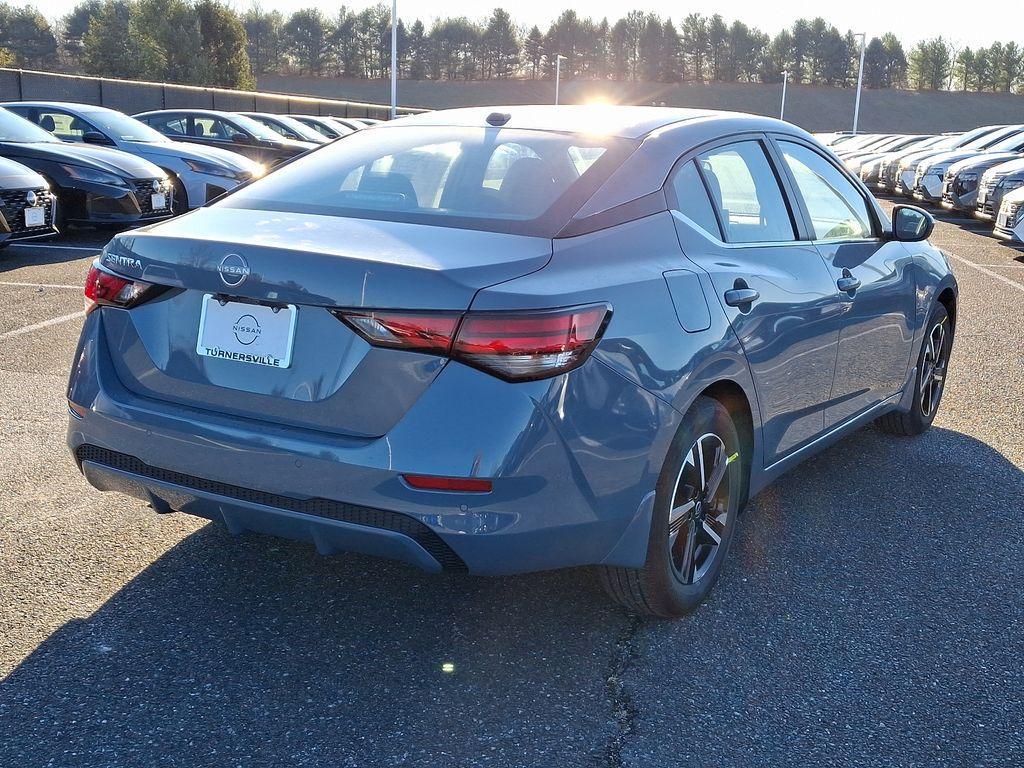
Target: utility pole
[860,80]
[558,73]
[394,59]
[785,80]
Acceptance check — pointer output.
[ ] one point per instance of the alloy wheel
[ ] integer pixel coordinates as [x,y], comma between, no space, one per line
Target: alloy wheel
[933,369]
[700,508]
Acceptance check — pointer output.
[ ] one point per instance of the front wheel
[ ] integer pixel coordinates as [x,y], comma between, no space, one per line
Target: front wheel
[930,382]
[696,507]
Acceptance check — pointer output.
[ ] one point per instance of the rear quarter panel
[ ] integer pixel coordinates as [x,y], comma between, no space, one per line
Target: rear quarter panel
[645,341]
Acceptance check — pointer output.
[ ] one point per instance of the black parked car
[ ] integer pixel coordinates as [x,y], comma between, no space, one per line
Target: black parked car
[94,185]
[226,130]
[26,204]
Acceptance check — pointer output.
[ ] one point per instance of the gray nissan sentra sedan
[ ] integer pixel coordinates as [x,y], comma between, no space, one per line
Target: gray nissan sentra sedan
[509,340]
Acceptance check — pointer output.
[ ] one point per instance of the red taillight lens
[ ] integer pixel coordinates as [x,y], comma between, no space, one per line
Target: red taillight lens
[520,346]
[415,331]
[517,346]
[104,288]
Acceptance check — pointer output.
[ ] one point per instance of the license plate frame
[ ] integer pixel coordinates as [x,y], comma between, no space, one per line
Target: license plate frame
[246,332]
[35,216]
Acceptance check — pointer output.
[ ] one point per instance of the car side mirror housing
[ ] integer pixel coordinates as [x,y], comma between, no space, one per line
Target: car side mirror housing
[911,224]
[241,138]
[95,137]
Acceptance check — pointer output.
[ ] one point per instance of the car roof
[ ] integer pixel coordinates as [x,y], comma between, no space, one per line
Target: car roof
[75,106]
[630,122]
[190,111]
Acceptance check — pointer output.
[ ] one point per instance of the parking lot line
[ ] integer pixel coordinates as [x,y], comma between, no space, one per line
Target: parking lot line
[43,324]
[989,272]
[41,285]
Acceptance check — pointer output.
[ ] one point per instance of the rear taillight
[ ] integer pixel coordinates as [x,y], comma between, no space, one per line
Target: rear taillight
[516,346]
[103,288]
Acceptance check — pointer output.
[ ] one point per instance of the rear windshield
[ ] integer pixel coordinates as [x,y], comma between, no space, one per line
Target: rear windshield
[505,180]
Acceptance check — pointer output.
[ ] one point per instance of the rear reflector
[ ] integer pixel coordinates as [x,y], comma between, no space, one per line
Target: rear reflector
[103,288]
[516,346]
[463,484]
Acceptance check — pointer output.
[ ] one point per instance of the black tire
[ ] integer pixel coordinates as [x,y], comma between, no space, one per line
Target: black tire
[929,371]
[660,588]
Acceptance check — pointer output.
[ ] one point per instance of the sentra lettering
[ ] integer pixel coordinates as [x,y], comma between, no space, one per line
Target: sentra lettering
[125,262]
[243,357]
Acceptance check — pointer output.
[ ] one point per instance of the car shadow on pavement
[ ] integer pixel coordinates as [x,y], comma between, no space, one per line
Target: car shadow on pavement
[255,651]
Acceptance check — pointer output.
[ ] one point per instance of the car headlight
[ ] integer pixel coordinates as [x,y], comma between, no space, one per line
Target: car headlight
[212,169]
[94,175]
[1011,184]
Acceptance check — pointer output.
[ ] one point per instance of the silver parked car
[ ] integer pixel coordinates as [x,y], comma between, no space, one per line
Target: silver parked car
[199,174]
[996,184]
[1010,221]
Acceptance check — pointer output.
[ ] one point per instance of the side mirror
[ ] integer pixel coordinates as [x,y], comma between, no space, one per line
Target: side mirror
[95,137]
[911,224]
[241,138]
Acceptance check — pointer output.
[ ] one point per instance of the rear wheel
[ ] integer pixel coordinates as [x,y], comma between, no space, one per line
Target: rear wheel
[696,507]
[932,365]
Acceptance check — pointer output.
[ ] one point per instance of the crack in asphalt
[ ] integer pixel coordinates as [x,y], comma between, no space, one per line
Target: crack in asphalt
[624,709]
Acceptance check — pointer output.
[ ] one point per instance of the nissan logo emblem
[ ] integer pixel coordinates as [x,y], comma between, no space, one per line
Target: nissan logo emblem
[30,198]
[233,270]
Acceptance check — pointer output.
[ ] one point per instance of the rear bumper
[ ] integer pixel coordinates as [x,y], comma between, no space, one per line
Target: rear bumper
[573,462]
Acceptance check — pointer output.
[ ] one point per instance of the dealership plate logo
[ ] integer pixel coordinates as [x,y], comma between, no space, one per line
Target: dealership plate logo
[233,270]
[246,329]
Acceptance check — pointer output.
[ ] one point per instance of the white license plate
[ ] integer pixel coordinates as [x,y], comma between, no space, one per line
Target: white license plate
[1004,221]
[158,201]
[247,333]
[35,216]
[982,195]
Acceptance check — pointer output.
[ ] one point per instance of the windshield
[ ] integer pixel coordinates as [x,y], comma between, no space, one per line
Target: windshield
[979,138]
[255,128]
[18,130]
[124,128]
[303,131]
[1011,143]
[521,181]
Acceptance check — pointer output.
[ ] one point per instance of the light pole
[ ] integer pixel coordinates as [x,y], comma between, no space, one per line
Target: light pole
[558,73]
[785,80]
[394,59]
[860,79]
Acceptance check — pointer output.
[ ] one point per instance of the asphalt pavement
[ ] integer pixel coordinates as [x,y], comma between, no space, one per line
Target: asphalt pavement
[871,613]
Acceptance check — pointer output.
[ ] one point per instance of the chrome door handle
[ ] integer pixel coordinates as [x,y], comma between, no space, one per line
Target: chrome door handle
[848,284]
[741,297]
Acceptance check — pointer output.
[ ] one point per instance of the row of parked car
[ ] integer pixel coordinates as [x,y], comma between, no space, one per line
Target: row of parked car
[78,164]
[978,173]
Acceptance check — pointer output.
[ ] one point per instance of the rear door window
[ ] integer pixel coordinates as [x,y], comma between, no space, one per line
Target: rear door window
[746,192]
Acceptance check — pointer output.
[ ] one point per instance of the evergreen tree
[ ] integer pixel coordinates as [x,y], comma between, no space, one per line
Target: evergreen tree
[226,61]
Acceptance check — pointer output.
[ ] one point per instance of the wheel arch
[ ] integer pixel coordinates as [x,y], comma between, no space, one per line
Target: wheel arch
[947,298]
[734,399]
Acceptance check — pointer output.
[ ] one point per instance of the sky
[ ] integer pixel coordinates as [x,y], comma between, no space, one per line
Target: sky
[911,20]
